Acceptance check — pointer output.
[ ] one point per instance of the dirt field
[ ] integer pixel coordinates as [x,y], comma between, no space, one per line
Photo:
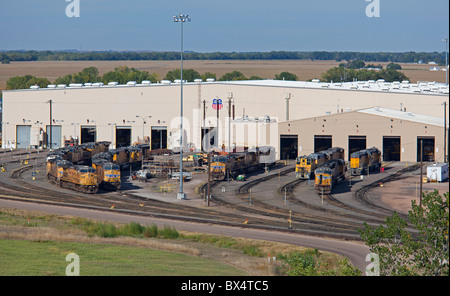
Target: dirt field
[267,69]
[398,195]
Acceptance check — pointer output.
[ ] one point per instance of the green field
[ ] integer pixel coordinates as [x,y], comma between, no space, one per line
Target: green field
[44,258]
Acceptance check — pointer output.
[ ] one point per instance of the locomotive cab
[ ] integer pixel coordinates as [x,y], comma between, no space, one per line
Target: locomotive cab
[111,174]
[87,175]
[323,181]
[218,167]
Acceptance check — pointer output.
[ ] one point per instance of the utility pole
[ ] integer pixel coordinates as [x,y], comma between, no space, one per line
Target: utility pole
[51,125]
[208,195]
[445,131]
[229,124]
[446,60]
[421,164]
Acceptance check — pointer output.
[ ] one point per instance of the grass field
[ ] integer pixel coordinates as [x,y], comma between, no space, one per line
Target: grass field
[34,243]
[44,258]
[304,69]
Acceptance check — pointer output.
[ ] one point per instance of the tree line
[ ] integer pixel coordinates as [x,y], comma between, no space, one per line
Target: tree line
[124,74]
[358,70]
[397,57]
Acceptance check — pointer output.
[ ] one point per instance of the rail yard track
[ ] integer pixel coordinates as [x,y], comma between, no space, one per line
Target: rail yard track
[338,219]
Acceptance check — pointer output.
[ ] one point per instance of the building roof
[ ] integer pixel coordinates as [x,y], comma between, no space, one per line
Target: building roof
[380,85]
[421,87]
[402,115]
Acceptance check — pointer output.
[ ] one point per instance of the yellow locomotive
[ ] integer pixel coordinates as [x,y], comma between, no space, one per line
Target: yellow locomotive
[361,162]
[334,153]
[126,156]
[234,164]
[108,174]
[80,154]
[328,175]
[305,165]
[78,178]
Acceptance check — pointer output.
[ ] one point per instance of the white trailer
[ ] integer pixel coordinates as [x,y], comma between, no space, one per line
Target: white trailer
[437,172]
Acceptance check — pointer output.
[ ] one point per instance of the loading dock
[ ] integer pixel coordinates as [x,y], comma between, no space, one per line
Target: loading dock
[88,134]
[322,142]
[56,135]
[391,148]
[159,137]
[288,147]
[123,136]
[23,136]
[356,143]
[428,148]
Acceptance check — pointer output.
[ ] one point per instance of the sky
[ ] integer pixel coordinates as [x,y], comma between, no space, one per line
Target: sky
[226,26]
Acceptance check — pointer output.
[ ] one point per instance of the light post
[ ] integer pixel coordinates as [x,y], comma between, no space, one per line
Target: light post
[143,122]
[446,60]
[181,18]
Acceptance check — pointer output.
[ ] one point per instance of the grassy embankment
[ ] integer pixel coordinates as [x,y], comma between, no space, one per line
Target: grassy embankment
[33,243]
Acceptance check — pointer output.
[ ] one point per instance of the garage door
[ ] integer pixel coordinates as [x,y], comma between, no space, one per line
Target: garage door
[23,136]
[56,136]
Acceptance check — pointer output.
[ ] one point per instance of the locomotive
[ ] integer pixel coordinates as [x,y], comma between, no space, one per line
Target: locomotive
[80,178]
[122,156]
[80,154]
[328,175]
[306,165]
[361,162]
[108,174]
[234,164]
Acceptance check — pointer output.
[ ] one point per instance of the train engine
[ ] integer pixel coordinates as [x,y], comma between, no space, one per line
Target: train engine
[334,153]
[234,164]
[361,162]
[328,175]
[108,174]
[220,166]
[65,174]
[305,165]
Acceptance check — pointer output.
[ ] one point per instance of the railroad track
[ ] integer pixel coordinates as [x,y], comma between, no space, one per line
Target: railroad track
[131,204]
[349,213]
[263,216]
[361,194]
[320,224]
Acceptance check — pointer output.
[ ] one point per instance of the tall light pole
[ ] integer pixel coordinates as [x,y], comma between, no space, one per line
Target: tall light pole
[143,122]
[446,60]
[181,18]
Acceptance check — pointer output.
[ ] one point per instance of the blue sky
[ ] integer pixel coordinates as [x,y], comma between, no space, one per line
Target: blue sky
[232,25]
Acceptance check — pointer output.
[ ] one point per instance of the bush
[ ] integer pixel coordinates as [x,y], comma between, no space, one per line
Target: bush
[168,232]
[132,229]
[151,231]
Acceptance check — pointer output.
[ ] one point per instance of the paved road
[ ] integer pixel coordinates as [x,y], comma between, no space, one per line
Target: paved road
[355,251]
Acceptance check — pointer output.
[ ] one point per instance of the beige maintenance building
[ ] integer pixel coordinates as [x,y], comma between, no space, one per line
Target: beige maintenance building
[260,112]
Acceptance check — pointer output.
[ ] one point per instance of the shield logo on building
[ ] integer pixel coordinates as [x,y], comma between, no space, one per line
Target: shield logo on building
[217,104]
